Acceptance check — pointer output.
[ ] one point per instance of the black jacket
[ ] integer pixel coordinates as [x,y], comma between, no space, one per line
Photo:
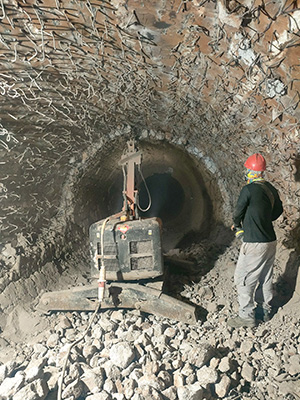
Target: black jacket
[254,212]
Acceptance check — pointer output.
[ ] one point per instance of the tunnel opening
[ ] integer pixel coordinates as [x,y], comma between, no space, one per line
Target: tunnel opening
[176,182]
[160,196]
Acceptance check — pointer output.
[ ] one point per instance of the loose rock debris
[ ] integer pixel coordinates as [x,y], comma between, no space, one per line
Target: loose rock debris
[129,355]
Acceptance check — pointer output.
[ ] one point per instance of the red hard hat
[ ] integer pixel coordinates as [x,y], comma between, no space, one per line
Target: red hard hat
[256,162]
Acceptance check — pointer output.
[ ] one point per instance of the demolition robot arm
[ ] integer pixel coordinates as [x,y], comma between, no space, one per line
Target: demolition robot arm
[129,160]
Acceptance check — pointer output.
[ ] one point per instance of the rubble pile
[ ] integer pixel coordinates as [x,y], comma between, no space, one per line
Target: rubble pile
[127,355]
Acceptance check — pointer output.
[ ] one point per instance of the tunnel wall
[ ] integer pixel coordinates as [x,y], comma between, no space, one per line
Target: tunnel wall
[63,236]
[41,211]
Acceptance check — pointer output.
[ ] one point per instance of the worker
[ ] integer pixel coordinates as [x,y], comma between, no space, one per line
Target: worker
[258,205]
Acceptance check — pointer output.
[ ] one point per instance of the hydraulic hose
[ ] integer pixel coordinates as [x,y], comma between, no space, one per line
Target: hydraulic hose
[148,193]
[101,291]
[102,272]
[60,381]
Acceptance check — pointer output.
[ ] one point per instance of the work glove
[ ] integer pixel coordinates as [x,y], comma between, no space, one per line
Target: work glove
[238,231]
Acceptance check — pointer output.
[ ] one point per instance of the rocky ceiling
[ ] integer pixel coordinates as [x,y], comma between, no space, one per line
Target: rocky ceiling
[217,79]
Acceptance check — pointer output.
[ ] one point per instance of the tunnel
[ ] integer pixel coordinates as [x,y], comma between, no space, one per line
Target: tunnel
[170,185]
[199,85]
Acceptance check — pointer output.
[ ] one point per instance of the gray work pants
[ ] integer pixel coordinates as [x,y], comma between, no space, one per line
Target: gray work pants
[253,277]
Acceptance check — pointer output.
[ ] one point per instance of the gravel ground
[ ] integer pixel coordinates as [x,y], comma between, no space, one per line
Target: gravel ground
[131,355]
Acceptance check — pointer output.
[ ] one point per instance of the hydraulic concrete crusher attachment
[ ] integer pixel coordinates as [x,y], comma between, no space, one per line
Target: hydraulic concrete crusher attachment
[126,254]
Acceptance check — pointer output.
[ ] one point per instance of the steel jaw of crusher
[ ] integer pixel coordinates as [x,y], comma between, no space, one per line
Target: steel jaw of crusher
[119,295]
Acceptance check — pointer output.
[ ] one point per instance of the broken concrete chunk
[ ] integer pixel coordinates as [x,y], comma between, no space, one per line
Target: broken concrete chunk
[100,396]
[222,387]
[201,356]
[93,381]
[247,372]
[190,392]
[34,370]
[36,390]
[207,375]
[224,365]
[53,340]
[122,354]
[11,385]
[293,366]
[73,390]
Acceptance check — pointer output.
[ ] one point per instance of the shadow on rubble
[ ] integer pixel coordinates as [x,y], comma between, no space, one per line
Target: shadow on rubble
[192,259]
[296,165]
[286,284]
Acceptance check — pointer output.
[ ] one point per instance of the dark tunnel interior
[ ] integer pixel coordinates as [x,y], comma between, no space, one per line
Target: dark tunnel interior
[160,196]
[171,186]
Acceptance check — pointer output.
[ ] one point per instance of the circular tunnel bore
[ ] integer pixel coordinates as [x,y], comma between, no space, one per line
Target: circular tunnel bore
[160,196]
[175,180]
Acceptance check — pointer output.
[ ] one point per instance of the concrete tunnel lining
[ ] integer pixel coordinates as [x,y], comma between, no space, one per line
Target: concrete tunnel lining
[99,192]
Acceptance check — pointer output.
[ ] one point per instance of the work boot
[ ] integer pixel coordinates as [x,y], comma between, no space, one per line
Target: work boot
[261,314]
[266,315]
[239,322]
